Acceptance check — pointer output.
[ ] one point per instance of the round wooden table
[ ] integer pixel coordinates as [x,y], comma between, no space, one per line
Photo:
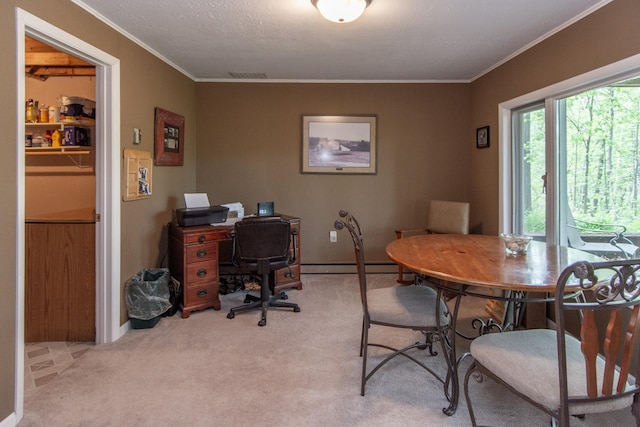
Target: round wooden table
[481,261]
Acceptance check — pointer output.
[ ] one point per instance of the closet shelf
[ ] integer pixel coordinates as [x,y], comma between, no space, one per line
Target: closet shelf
[52,151]
[62,124]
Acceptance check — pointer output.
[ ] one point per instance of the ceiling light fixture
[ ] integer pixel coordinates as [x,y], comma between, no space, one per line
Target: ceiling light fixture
[341,11]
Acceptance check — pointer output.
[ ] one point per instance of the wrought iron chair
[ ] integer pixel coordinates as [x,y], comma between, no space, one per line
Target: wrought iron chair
[408,307]
[444,217]
[262,245]
[618,245]
[564,375]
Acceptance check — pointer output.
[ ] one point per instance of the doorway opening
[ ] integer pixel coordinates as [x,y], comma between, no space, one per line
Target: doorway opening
[60,200]
[107,172]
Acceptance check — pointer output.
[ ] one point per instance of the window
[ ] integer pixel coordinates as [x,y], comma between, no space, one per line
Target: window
[572,153]
[601,136]
[529,164]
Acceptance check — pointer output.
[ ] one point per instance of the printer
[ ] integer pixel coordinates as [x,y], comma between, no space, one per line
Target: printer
[188,217]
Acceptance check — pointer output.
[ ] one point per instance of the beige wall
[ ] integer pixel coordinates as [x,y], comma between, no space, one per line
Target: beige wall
[248,143]
[146,82]
[249,150]
[7,211]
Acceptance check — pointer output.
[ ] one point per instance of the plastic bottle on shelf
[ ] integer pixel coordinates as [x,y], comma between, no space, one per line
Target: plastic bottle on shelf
[56,138]
[31,113]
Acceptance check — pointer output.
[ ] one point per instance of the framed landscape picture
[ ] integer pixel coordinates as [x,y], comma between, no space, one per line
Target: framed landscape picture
[339,144]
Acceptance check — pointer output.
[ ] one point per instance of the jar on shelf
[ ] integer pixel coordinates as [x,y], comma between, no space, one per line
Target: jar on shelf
[54,114]
[39,141]
[43,115]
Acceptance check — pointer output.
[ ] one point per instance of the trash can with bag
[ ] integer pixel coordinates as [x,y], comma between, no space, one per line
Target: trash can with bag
[147,297]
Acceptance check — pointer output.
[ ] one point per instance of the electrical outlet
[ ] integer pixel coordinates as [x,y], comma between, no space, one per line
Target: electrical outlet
[333,236]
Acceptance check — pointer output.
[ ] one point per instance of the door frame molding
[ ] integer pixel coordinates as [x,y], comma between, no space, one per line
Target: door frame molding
[107,183]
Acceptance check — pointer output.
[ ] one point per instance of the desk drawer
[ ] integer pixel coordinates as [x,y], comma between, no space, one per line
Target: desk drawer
[202,272]
[199,295]
[198,253]
[205,236]
[281,275]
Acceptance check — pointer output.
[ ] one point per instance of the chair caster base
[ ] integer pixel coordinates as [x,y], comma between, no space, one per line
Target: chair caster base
[250,298]
[254,303]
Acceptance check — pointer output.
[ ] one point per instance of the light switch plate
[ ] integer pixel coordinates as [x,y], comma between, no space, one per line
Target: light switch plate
[137,136]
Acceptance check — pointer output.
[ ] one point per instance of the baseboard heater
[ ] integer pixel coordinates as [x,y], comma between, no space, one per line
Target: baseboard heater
[347,268]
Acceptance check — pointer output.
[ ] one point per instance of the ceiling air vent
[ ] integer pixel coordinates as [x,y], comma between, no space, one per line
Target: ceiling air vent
[248,75]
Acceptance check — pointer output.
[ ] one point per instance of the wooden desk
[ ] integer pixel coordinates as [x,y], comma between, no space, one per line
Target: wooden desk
[479,261]
[194,257]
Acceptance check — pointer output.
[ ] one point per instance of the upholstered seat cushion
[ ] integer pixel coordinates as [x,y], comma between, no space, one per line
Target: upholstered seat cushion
[527,360]
[405,305]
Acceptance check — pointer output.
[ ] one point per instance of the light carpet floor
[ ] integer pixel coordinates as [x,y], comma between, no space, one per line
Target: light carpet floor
[302,369]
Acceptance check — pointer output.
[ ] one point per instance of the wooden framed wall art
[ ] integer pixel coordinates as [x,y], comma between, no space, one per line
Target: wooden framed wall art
[169,138]
[339,144]
[482,137]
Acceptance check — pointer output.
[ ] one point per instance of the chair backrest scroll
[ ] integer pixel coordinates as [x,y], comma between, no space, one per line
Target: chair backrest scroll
[606,296]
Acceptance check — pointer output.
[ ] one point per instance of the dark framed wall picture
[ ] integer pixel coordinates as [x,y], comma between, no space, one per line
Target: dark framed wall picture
[339,144]
[169,138]
[482,137]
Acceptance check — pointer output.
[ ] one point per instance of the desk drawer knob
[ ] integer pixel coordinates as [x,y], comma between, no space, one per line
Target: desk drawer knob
[202,293]
[202,272]
[202,239]
[202,253]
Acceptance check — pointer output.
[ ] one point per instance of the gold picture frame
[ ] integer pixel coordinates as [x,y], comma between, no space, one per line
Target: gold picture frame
[339,144]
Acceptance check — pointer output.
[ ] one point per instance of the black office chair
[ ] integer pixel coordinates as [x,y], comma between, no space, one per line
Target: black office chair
[262,245]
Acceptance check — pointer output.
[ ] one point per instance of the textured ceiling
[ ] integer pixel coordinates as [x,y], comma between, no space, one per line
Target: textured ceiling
[394,40]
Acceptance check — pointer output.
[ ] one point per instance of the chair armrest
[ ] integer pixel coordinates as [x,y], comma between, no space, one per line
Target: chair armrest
[617,230]
[597,227]
[232,235]
[292,260]
[403,233]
